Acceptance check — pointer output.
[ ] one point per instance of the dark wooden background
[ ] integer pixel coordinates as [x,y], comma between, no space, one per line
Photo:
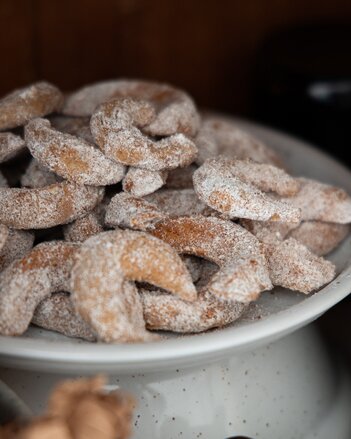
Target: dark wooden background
[205,46]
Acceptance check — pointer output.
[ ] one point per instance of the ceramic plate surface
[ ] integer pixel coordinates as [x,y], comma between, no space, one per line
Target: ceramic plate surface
[11,406]
[275,314]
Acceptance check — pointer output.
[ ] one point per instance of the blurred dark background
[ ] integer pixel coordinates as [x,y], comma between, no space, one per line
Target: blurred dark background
[209,47]
[286,63]
[265,59]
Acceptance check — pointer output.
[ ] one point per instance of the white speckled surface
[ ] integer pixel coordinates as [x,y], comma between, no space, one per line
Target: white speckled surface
[288,389]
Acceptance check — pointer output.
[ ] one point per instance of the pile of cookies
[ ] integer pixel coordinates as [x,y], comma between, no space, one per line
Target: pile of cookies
[124,211]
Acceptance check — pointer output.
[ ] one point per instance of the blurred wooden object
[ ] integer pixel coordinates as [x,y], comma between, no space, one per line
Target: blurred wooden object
[16,44]
[205,46]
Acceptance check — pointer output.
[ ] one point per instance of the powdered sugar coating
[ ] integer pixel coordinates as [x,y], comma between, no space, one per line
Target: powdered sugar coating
[219,135]
[269,232]
[243,272]
[179,116]
[22,105]
[319,237]
[182,202]
[17,244]
[163,311]
[71,157]
[4,233]
[27,281]
[131,212]
[181,178]
[116,315]
[10,146]
[83,228]
[144,113]
[100,283]
[141,182]
[294,266]
[56,313]
[130,255]
[37,176]
[46,207]
[267,178]
[116,128]
[176,111]
[322,202]
[84,101]
[291,264]
[217,184]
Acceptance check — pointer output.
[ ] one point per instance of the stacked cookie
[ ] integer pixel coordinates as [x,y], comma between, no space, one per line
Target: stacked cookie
[155,217]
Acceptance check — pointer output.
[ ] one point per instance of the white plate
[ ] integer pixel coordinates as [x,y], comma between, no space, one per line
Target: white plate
[280,312]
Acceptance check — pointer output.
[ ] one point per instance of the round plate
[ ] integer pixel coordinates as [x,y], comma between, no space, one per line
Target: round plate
[275,314]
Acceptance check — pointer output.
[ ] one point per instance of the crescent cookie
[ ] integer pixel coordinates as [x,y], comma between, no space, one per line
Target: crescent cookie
[56,313]
[117,129]
[291,264]
[166,312]
[83,228]
[101,285]
[71,157]
[130,212]
[235,188]
[220,135]
[243,272]
[41,208]
[16,245]
[319,237]
[141,182]
[322,202]
[294,266]
[183,202]
[176,111]
[268,231]
[22,105]
[28,281]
